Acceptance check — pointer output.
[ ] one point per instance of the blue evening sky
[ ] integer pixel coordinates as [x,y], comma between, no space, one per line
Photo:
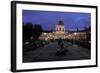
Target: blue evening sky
[48,19]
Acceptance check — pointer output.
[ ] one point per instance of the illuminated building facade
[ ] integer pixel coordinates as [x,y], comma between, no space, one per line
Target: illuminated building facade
[60,27]
[60,33]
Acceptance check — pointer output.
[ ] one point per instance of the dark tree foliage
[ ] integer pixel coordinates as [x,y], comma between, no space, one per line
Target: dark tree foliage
[30,30]
[27,31]
[37,30]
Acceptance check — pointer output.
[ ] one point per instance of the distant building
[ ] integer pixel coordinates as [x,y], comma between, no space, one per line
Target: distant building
[60,27]
[60,33]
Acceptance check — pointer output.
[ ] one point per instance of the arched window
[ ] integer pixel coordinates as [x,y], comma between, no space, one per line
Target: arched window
[60,29]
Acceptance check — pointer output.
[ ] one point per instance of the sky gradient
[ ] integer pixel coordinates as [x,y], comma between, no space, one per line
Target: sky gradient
[48,19]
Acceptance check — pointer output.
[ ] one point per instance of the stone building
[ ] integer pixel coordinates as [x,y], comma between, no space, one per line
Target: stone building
[60,29]
[60,33]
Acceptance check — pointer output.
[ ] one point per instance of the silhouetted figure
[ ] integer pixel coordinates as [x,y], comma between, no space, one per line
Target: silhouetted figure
[62,45]
[61,49]
[59,43]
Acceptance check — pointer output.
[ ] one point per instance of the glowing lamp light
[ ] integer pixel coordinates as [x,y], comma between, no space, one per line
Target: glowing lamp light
[75,33]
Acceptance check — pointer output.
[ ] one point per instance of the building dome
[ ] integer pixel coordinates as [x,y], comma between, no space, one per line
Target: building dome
[60,22]
[60,27]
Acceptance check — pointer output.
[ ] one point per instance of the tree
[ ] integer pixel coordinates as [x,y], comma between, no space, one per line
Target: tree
[27,31]
[30,30]
[37,31]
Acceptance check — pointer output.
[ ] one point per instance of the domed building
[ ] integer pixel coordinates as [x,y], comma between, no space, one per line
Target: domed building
[60,29]
[60,33]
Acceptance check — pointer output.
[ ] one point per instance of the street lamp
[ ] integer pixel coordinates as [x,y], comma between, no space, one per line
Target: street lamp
[75,37]
[75,33]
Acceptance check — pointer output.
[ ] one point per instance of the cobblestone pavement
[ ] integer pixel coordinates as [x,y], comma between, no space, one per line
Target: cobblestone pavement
[48,53]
